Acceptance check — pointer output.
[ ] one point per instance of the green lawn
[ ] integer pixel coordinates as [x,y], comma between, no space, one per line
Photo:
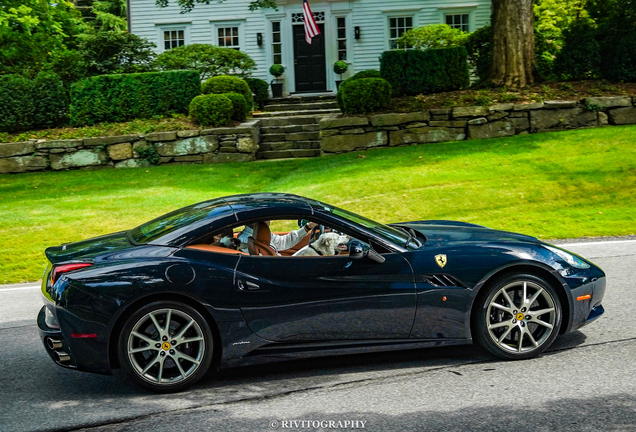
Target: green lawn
[553,185]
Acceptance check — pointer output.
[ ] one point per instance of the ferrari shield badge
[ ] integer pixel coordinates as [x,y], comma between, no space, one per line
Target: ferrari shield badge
[440,260]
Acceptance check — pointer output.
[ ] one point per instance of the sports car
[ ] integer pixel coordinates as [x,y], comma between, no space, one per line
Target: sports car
[205,288]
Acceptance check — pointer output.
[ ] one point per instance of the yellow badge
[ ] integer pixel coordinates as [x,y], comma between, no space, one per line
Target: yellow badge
[440,260]
[166,346]
[520,316]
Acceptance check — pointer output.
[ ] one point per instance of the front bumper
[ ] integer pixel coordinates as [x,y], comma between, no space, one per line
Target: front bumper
[585,310]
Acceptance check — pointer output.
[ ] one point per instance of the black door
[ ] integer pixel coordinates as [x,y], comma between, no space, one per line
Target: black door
[311,72]
[326,298]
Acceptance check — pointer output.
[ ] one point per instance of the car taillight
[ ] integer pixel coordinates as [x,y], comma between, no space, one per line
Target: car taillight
[61,269]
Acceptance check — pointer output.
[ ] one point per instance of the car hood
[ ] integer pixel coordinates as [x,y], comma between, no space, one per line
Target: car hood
[88,249]
[445,232]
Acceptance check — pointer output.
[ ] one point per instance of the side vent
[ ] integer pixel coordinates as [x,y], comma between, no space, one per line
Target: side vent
[442,280]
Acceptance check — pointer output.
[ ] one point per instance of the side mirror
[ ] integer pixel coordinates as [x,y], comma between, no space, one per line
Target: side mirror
[356,251]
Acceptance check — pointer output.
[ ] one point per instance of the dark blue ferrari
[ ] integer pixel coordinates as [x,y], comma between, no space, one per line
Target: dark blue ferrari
[229,282]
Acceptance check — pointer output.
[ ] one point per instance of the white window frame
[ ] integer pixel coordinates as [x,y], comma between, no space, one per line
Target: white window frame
[216,25]
[279,43]
[161,28]
[467,9]
[388,24]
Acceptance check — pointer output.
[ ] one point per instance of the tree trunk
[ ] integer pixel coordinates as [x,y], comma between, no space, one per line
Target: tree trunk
[513,57]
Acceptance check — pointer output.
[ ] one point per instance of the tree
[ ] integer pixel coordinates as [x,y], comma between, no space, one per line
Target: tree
[514,64]
[188,5]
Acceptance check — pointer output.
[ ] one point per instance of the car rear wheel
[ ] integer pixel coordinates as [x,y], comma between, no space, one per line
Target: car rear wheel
[518,318]
[166,346]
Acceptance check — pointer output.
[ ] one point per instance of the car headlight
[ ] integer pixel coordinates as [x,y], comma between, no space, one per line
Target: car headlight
[572,260]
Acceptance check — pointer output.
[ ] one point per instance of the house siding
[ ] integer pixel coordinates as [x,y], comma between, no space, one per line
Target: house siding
[372,16]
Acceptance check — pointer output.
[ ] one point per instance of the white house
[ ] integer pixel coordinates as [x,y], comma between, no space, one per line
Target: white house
[357,31]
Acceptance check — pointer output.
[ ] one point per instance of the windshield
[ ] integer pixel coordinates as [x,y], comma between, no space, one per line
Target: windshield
[388,233]
[165,224]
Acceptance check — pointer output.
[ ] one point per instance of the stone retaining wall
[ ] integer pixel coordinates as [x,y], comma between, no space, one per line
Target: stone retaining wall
[238,144]
[345,134]
[336,134]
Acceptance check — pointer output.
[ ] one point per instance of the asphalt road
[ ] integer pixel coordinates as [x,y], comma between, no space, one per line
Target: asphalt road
[587,381]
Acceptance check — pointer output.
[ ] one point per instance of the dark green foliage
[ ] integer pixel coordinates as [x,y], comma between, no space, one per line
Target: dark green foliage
[116,52]
[366,95]
[580,57]
[16,103]
[239,106]
[621,65]
[211,110]
[208,60]
[277,70]
[227,84]
[340,67]
[260,89]
[50,100]
[479,48]
[117,98]
[423,72]
[545,52]
[149,153]
[362,74]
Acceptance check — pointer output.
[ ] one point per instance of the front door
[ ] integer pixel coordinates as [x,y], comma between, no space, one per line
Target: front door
[297,299]
[309,60]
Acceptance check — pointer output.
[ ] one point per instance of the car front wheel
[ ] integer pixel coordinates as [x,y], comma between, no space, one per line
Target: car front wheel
[519,317]
[166,346]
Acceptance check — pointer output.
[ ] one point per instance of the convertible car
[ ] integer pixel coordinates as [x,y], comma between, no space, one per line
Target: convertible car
[182,295]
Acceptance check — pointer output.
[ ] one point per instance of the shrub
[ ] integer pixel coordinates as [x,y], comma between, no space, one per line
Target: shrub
[340,67]
[432,36]
[228,84]
[366,95]
[479,48]
[260,90]
[208,60]
[580,57]
[423,72]
[116,52]
[362,74]
[16,103]
[50,100]
[239,106]
[211,110]
[277,70]
[117,98]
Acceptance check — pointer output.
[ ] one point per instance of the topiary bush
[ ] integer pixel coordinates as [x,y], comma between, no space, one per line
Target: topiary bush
[208,60]
[260,90]
[362,74]
[118,98]
[366,95]
[50,100]
[16,103]
[239,106]
[277,70]
[211,110]
[423,72]
[228,84]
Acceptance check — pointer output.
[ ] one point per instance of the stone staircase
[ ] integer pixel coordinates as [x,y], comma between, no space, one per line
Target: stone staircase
[290,126]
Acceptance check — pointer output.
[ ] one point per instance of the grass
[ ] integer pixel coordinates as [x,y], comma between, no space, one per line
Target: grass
[553,185]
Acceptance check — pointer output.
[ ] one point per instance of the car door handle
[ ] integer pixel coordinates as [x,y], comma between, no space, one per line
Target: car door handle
[246,285]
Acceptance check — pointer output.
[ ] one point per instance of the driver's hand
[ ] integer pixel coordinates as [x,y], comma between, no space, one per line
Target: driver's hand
[311,225]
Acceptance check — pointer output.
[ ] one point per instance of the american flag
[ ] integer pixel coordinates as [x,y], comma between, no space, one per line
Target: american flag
[311,28]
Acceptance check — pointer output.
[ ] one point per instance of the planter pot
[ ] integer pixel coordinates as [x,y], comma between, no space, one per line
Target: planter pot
[338,85]
[277,90]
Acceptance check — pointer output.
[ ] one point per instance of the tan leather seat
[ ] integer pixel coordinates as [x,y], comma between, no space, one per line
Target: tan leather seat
[259,243]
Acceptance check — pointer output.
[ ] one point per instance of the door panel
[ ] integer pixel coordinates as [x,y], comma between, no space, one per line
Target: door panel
[288,299]
[309,59]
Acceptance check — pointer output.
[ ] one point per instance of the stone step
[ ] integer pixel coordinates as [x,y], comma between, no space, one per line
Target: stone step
[302,99]
[281,121]
[325,112]
[301,106]
[287,154]
[289,145]
[290,129]
[294,136]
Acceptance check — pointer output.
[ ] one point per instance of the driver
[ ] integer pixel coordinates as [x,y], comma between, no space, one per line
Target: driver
[277,242]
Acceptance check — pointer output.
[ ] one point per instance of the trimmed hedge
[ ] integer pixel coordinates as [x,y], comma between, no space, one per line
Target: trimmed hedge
[362,74]
[371,73]
[422,72]
[50,100]
[24,103]
[211,110]
[228,84]
[260,89]
[118,98]
[366,95]
[239,106]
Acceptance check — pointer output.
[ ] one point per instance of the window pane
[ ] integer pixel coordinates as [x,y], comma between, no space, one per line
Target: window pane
[166,45]
[276,26]
[277,49]
[277,59]
[181,42]
[276,37]
[394,34]
[166,35]
[342,33]
[180,34]
[236,41]
[409,23]
[341,22]
[449,20]
[235,31]
[342,55]
[393,22]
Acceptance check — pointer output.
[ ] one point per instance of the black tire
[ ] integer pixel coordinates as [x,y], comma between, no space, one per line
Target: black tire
[165,367]
[498,325]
